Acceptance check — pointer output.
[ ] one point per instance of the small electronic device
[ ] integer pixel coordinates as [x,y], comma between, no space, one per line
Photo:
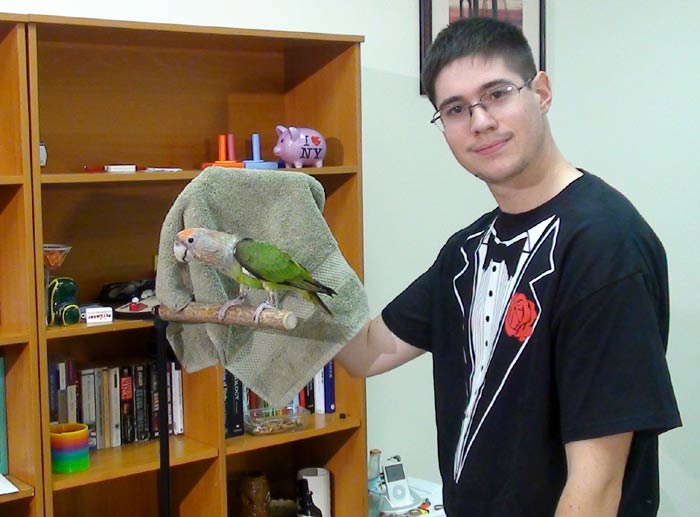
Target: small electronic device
[397,491]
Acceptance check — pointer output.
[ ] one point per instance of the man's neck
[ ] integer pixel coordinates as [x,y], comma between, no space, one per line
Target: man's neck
[537,185]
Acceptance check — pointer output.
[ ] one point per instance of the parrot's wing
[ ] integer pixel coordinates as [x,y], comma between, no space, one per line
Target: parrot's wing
[271,264]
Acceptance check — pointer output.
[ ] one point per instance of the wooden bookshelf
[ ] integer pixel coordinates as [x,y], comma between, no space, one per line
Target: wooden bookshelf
[101,91]
[18,326]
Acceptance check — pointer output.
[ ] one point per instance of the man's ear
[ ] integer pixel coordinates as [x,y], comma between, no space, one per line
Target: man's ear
[543,89]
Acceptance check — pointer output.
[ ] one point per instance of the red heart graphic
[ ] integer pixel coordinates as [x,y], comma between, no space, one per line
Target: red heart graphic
[316,140]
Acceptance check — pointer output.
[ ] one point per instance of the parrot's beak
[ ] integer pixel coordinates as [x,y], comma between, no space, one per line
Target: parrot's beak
[181,252]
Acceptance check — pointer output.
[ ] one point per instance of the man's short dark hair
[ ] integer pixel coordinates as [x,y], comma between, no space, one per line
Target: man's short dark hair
[485,37]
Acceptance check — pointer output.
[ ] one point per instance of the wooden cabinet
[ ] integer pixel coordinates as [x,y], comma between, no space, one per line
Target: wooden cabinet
[95,92]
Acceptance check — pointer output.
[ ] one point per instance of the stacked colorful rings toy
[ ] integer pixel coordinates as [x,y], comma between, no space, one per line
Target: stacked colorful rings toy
[70,451]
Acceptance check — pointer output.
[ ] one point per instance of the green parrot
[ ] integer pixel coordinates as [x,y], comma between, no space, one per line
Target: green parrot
[253,264]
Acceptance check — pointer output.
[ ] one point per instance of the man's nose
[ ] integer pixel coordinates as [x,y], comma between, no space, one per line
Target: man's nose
[480,119]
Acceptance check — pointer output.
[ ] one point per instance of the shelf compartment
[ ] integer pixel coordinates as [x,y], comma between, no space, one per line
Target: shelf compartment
[135,458]
[319,425]
[81,329]
[25,491]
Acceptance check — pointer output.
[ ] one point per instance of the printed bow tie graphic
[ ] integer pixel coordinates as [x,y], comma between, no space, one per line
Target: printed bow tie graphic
[507,253]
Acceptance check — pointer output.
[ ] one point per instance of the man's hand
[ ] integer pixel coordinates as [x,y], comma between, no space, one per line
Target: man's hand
[596,468]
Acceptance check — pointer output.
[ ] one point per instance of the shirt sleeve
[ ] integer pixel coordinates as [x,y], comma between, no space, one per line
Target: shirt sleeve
[408,316]
[611,369]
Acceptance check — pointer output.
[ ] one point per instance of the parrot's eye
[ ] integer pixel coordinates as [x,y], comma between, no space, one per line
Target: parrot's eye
[190,240]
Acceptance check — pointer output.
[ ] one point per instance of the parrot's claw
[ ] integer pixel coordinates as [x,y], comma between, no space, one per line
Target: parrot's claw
[258,311]
[221,313]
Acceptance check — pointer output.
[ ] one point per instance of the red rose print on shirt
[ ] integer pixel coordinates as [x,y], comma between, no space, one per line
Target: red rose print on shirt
[521,314]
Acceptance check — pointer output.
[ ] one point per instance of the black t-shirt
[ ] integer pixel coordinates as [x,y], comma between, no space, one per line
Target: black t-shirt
[560,337]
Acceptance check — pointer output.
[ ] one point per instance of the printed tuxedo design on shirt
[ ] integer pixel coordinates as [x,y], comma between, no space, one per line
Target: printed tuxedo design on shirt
[501,277]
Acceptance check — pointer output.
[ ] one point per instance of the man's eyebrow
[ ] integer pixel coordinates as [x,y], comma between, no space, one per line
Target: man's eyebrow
[461,99]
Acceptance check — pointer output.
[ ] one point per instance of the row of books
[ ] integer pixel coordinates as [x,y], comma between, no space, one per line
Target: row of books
[318,396]
[119,404]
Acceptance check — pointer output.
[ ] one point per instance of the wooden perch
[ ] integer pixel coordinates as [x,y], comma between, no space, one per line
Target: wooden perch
[240,315]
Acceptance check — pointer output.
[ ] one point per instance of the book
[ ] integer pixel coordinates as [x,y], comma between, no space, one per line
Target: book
[99,414]
[141,402]
[309,398]
[106,419]
[178,411]
[72,391]
[53,391]
[329,387]
[233,409]
[4,464]
[114,406]
[62,392]
[319,393]
[155,403]
[126,405]
[88,404]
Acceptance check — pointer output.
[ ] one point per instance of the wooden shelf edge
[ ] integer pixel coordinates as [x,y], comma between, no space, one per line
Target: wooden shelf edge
[135,458]
[81,329]
[104,177]
[11,180]
[13,337]
[320,425]
[25,491]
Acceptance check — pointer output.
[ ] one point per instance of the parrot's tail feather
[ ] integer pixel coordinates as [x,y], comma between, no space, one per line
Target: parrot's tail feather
[315,299]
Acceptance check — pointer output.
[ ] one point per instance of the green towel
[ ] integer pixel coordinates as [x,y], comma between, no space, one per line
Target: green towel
[284,208]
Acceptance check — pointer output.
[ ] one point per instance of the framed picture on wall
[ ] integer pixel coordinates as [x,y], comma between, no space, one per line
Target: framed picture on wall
[529,15]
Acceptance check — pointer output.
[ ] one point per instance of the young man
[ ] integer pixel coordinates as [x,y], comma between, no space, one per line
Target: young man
[547,318]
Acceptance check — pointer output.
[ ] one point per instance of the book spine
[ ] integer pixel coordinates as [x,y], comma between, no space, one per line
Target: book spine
[53,392]
[126,405]
[114,407]
[99,414]
[106,412]
[141,405]
[309,396]
[87,400]
[227,403]
[62,392]
[319,393]
[4,464]
[236,405]
[178,410]
[72,391]
[329,387]
[155,403]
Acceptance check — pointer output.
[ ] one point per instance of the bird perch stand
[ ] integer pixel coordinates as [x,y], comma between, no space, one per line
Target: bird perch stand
[195,312]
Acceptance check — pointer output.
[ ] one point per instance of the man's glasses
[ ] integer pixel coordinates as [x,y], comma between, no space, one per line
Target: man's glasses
[494,101]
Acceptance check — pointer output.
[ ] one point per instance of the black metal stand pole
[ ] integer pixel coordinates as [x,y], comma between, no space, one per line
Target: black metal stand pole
[162,370]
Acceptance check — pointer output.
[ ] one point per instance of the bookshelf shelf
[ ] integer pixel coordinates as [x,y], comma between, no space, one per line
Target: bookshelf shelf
[135,458]
[81,329]
[13,337]
[320,425]
[104,177]
[10,180]
[25,491]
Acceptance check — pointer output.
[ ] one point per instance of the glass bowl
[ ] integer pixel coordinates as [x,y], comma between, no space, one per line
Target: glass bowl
[271,420]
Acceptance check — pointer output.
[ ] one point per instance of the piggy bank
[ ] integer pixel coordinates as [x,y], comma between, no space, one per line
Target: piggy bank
[300,146]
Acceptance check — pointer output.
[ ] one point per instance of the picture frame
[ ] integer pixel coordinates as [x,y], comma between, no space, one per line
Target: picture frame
[434,15]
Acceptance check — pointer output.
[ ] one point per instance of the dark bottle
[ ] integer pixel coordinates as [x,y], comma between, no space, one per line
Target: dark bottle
[307,508]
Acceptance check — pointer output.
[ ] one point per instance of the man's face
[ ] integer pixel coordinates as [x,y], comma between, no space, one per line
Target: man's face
[498,146]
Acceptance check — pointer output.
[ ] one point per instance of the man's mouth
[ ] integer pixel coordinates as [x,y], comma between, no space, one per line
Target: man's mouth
[493,147]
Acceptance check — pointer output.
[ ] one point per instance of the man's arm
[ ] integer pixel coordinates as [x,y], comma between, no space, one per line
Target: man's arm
[596,468]
[375,349]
